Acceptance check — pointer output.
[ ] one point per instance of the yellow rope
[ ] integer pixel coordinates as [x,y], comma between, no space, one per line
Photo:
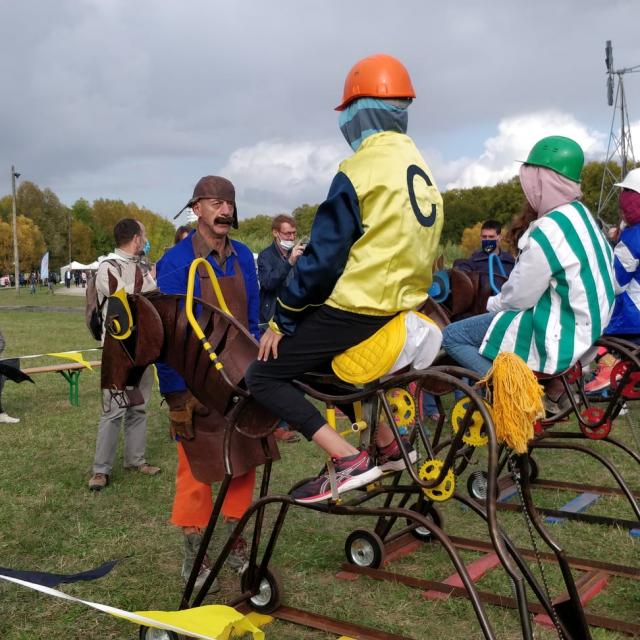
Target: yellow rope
[516,400]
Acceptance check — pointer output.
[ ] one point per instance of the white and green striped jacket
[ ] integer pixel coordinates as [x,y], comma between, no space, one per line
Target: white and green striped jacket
[559,296]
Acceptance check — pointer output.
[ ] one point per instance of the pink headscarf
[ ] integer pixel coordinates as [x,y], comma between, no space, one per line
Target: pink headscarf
[545,189]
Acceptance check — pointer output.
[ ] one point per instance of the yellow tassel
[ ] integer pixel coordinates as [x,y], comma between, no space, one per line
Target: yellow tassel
[517,400]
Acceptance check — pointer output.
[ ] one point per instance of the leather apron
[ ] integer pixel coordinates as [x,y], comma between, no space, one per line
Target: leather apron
[205,451]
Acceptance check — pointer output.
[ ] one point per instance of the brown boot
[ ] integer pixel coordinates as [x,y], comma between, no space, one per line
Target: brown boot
[98,481]
[146,469]
[238,559]
[192,543]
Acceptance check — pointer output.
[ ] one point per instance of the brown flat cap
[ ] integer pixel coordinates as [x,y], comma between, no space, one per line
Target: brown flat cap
[214,187]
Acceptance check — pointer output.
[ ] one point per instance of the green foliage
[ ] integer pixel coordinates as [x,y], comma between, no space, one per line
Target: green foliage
[464,208]
[592,179]
[254,232]
[5,208]
[92,224]
[304,216]
[50,216]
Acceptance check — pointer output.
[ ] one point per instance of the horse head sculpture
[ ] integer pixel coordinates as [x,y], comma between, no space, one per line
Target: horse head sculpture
[211,356]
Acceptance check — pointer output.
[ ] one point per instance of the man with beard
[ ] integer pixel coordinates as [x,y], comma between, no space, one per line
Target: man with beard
[126,266]
[213,202]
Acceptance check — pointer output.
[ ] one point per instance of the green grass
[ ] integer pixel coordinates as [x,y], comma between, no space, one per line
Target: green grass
[49,521]
[42,298]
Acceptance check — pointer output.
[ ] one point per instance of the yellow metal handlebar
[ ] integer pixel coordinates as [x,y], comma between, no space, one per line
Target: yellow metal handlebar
[191,281]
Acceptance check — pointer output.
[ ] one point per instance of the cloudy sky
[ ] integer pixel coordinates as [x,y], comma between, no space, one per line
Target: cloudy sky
[137,100]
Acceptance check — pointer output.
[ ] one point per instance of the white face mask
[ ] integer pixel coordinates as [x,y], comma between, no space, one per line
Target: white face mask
[287,244]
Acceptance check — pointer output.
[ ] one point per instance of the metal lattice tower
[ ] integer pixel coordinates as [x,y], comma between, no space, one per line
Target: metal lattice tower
[620,147]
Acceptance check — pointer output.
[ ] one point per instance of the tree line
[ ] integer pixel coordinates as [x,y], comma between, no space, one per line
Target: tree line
[463,209]
[44,223]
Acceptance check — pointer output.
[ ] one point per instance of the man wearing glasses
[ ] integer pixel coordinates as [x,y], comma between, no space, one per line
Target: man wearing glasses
[275,264]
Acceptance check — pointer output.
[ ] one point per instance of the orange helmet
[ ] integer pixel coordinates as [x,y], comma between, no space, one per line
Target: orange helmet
[379,76]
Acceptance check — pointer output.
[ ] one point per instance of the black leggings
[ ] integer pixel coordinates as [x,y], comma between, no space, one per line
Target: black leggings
[320,336]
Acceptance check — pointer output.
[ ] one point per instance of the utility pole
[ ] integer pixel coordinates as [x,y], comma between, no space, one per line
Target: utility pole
[16,258]
[69,231]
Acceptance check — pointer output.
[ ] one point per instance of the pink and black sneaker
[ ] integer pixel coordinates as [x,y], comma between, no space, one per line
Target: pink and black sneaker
[390,457]
[351,472]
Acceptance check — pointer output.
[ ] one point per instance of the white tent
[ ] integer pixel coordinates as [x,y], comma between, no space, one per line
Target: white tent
[74,265]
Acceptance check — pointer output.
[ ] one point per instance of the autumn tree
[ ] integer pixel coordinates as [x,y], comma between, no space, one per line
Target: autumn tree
[31,245]
[470,241]
[81,246]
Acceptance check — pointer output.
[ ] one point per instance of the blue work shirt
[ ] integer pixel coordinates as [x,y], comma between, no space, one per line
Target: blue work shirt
[172,273]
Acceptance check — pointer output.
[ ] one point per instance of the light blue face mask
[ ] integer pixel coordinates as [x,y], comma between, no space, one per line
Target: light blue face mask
[146,248]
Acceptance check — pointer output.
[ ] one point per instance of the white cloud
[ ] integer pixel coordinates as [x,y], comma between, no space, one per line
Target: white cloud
[516,135]
[274,175]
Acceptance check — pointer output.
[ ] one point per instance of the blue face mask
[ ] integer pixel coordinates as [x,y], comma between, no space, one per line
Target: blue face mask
[489,246]
[146,248]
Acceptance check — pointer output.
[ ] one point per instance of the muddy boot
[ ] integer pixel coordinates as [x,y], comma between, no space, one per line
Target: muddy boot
[238,559]
[191,545]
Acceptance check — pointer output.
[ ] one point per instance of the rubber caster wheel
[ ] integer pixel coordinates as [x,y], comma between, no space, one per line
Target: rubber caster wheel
[150,633]
[269,595]
[364,549]
[431,513]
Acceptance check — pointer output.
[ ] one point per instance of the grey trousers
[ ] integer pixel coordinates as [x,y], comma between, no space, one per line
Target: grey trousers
[135,430]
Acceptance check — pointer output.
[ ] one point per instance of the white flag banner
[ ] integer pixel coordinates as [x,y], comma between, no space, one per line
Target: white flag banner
[44,266]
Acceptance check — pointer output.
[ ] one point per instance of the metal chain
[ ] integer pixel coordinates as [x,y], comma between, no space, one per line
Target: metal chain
[515,473]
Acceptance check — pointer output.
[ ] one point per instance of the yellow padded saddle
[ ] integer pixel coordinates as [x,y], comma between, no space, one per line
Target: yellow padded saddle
[375,356]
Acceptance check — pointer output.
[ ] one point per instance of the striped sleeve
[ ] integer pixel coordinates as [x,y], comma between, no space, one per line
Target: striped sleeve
[521,291]
[625,264]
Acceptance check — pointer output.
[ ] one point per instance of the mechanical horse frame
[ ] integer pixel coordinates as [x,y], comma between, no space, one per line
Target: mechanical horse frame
[218,350]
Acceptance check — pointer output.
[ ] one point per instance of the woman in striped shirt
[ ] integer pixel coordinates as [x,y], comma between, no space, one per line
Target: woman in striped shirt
[559,296]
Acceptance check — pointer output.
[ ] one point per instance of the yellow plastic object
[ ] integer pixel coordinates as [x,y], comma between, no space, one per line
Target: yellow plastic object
[76,356]
[374,357]
[119,333]
[191,281]
[473,435]
[402,406]
[430,470]
[210,622]
[331,417]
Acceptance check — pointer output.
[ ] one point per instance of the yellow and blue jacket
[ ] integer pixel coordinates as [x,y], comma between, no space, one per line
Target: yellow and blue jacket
[373,240]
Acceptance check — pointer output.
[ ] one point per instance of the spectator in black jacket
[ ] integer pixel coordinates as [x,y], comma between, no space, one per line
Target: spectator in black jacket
[275,264]
[490,235]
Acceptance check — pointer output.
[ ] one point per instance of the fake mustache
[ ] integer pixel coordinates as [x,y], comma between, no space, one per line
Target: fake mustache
[223,220]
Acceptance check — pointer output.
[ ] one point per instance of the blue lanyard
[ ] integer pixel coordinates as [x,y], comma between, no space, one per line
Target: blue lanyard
[494,257]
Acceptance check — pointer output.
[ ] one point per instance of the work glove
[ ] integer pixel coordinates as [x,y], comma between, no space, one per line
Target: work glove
[182,407]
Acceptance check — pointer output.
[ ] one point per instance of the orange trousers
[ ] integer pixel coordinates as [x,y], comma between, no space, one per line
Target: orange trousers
[193,501]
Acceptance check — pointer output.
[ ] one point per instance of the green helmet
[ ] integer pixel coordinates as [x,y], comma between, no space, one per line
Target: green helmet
[562,155]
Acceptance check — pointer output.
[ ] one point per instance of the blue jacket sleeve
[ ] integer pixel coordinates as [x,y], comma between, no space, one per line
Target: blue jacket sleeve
[248,267]
[171,279]
[272,270]
[336,226]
